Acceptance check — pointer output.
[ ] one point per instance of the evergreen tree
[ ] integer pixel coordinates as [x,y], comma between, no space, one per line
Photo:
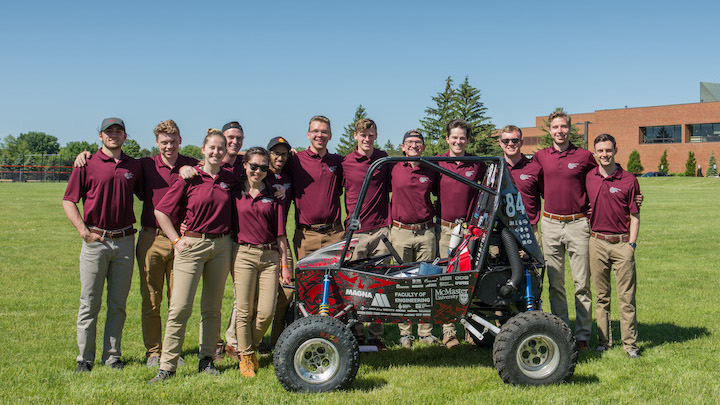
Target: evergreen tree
[546,139]
[131,148]
[347,140]
[663,166]
[436,118]
[712,166]
[634,165]
[391,149]
[690,165]
[467,105]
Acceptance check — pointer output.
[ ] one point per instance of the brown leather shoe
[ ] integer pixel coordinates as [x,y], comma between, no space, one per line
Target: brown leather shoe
[582,345]
[231,352]
[247,369]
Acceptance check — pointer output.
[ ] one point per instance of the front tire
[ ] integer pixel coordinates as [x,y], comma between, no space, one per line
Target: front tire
[316,354]
[535,348]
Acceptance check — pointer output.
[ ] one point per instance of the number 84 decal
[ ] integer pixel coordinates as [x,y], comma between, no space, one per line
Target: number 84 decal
[513,205]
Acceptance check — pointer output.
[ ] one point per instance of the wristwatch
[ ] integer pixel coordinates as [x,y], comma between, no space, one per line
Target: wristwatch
[633,244]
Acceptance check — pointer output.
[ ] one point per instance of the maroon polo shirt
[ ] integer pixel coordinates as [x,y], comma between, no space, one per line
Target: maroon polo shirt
[237,168]
[106,189]
[456,200]
[157,178]
[317,186]
[204,203]
[257,220]
[527,175]
[411,187]
[564,178]
[375,211]
[612,200]
[278,181]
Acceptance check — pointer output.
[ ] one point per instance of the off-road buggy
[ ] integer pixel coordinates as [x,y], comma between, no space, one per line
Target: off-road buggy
[491,283]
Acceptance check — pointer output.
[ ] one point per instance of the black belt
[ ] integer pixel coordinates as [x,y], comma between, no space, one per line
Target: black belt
[119,233]
[263,246]
[320,227]
[192,234]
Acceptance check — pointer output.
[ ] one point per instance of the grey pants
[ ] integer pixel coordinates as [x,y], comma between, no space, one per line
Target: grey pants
[111,260]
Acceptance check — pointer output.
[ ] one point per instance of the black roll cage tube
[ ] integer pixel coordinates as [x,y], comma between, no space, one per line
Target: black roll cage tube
[430,161]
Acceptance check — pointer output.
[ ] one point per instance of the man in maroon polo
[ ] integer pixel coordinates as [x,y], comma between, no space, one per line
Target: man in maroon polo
[155,251]
[455,203]
[413,231]
[375,211]
[106,186]
[564,223]
[316,176]
[526,173]
[234,136]
[614,227]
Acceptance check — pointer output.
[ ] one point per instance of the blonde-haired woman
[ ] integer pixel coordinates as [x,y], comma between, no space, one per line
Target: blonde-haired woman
[204,251]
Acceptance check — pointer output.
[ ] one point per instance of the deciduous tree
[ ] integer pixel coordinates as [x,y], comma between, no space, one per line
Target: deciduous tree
[131,148]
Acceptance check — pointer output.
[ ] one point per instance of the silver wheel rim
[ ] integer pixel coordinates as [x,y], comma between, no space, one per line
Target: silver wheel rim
[316,361]
[537,356]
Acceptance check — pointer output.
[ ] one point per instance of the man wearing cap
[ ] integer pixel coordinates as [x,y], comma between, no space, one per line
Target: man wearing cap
[564,223]
[316,177]
[614,228]
[413,231]
[106,186]
[456,201]
[375,211]
[234,137]
[526,173]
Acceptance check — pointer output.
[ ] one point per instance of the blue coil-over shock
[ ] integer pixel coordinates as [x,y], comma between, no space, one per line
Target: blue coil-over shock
[325,304]
[528,291]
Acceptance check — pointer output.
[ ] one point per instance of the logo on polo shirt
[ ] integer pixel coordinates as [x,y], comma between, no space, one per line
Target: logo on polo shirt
[266,200]
[128,175]
[332,168]
[525,177]
[224,185]
[470,173]
[424,179]
[573,165]
[614,190]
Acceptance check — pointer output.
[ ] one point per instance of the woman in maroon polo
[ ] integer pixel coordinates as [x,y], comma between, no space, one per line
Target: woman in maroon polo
[204,251]
[261,243]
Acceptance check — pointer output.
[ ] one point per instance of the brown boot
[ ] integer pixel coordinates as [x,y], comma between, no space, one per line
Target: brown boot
[255,362]
[247,369]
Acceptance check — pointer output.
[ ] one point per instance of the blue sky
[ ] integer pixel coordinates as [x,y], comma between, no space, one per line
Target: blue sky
[67,65]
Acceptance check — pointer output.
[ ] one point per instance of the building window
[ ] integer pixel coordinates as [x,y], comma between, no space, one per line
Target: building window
[661,134]
[704,132]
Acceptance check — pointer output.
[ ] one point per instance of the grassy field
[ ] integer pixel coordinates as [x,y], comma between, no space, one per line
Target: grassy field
[678,256]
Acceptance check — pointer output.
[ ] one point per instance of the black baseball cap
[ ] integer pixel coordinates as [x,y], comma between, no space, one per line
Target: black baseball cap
[232,124]
[108,122]
[413,133]
[278,140]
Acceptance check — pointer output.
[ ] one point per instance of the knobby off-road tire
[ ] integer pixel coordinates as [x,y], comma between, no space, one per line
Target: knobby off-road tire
[316,354]
[535,348]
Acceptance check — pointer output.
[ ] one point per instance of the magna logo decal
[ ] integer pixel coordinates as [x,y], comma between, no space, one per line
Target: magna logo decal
[358,293]
[380,300]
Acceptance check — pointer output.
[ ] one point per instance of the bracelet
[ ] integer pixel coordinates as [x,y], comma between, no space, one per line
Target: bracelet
[176,241]
[285,266]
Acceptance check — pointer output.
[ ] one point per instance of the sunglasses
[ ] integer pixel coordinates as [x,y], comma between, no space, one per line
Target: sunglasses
[254,167]
[513,140]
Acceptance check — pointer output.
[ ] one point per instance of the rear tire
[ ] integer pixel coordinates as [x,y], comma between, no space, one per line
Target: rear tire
[535,348]
[316,354]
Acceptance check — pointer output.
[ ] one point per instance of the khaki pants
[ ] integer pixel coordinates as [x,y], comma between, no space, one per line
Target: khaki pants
[284,298]
[370,244]
[308,240]
[256,280]
[209,259]
[414,246]
[621,258]
[557,238]
[155,256]
[111,260]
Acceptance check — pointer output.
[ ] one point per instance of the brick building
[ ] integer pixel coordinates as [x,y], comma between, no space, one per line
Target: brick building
[677,128]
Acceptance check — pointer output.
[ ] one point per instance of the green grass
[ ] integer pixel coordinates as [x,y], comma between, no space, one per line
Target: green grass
[677,255]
